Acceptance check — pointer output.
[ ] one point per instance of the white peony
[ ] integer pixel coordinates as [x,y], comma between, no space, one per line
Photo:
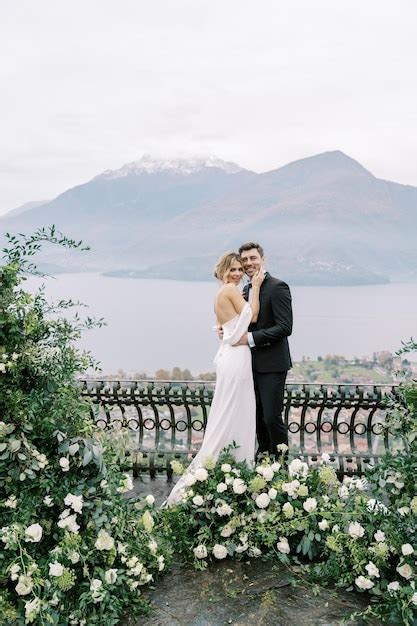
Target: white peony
[221,487]
[56,569]
[372,570]
[310,505]
[283,546]
[64,463]
[407,549]
[226,468]
[276,466]
[201,474]
[33,533]
[200,551]
[406,571]
[394,586]
[323,524]
[150,500]
[239,486]
[189,480]
[262,500]
[69,522]
[219,551]
[104,540]
[75,502]
[24,585]
[272,493]
[198,500]
[356,530]
[268,473]
[224,509]
[379,536]
[110,576]
[363,583]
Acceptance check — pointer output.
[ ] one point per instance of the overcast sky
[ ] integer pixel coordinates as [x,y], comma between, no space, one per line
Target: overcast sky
[90,85]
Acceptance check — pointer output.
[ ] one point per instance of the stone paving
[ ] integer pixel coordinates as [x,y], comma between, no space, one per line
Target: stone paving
[243,593]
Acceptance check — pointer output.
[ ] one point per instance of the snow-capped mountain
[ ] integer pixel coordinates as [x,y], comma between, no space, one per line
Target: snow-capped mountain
[181,166]
[323,220]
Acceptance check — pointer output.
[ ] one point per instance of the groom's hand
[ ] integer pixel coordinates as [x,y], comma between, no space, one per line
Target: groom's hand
[243,341]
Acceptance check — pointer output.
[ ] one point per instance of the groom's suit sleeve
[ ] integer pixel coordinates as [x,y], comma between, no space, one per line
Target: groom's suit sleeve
[282,315]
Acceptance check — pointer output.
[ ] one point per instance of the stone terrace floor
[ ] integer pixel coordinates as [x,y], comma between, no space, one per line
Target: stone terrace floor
[242,593]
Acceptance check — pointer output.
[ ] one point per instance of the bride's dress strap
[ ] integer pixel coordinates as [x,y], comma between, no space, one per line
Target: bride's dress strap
[240,328]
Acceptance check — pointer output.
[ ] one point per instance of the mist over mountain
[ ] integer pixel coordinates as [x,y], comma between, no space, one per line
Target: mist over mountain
[322,220]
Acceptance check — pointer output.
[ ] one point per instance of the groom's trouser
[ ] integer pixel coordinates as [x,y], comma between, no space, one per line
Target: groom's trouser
[270,428]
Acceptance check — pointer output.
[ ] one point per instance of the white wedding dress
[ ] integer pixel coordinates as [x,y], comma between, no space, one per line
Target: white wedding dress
[232,416]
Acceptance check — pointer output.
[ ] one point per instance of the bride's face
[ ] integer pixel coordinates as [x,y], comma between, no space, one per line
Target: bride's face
[235,274]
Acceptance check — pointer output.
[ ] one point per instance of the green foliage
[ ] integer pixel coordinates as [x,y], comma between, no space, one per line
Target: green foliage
[75,549]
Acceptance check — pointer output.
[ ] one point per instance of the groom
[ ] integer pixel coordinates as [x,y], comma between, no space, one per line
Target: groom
[271,360]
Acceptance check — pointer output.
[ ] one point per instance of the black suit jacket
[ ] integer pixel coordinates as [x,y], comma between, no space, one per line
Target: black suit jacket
[271,352]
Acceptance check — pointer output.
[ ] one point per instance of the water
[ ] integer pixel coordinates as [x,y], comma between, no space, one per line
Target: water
[161,324]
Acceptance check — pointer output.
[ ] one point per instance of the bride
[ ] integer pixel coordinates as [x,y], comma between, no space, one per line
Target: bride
[232,416]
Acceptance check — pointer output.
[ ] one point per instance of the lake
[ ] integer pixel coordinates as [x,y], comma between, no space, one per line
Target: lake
[162,323]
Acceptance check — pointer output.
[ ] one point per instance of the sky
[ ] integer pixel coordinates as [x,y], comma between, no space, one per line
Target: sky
[90,85]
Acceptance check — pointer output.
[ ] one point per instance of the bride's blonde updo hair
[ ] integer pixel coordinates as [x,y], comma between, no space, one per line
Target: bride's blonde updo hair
[224,263]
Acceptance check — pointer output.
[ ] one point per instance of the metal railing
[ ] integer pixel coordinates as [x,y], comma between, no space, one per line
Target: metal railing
[167,419]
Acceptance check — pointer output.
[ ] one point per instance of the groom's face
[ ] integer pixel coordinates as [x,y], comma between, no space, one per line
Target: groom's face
[252,261]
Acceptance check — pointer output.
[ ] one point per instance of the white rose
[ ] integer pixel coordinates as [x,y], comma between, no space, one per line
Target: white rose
[254,551]
[200,551]
[148,521]
[127,484]
[356,530]
[288,510]
[404,510]
[110,576]
[298,468]
[394,586]
[198,500]
[161,562]
[239,486]
[33,533]
[201,474]
[32,608]
[2,368]
[24,585]
[406,571]
[343,492]
[363,583]
[64,463]
[226,468]
[11,502]
[14,571]
[272,493]
[150,500]
[219,551]
[221,487]
[407,549]
[310,505]
[56,569]
[414,598]
[75,502]
[226,531]
[48,501]
[189,480]
[379,536]
[323,524]
[69,522]
[262,500]
[104,540]
[268,473]
[224,509]
[276,466]
[152,545]
[96,588]
[283,546]
[372,570]
[74,557]
[291,488]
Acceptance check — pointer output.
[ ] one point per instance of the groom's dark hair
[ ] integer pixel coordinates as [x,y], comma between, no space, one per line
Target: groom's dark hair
[250,246]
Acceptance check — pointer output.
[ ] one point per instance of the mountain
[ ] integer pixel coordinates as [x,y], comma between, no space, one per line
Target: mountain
[324,219]
[26,207]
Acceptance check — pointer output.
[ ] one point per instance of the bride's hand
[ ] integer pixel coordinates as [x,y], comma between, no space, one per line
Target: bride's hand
[258,278]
